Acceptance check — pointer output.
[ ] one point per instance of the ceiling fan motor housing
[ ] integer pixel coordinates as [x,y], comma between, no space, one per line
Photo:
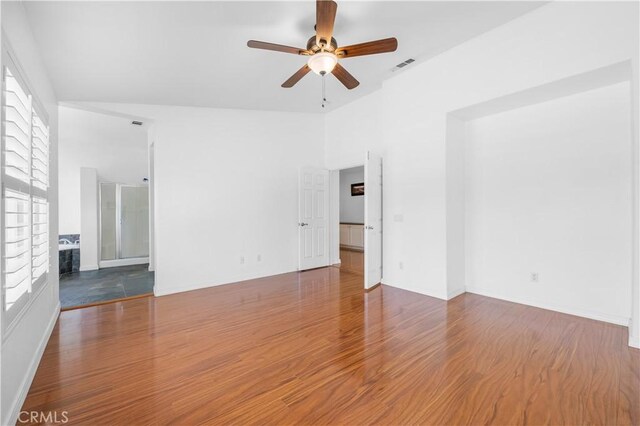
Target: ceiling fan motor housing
[313,47]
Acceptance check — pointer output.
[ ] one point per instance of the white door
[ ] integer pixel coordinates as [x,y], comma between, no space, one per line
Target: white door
[313,218]
[372,220]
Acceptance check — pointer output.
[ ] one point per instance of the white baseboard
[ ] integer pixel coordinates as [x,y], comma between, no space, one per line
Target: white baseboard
[158,290]
[634,342]
[585,313]
[123,262]
[89,268]
[413,290]
[455,293]
[33,367]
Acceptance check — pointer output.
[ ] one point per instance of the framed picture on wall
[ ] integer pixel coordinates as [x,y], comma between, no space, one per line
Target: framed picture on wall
[357,189]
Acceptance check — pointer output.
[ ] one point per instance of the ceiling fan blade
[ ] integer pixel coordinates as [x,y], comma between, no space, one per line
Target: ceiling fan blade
[325,18]
[276,47]
[297,76]
[345,78]
[368,48]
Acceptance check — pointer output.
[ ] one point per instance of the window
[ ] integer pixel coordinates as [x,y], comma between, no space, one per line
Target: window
[25,200]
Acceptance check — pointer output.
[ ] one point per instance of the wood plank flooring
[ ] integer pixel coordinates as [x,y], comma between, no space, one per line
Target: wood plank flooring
[314,348]
[352,261]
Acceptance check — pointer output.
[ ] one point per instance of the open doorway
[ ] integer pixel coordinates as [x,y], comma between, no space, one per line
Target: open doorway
[355,219]
[104,209]
[351,219]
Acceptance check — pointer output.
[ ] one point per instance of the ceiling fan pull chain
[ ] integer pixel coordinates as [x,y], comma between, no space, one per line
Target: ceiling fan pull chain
[324,95]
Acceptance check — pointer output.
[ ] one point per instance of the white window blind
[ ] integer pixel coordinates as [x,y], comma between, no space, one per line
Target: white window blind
[25,205]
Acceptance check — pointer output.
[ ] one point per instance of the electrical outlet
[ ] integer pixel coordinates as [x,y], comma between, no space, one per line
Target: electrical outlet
[401,265]
[242,260]
[259,258]
[535,277]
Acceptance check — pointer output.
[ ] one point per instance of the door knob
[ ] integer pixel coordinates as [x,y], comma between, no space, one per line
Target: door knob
[303,224]
[368,227]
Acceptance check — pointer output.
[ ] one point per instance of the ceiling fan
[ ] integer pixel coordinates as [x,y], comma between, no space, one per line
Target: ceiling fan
[323,50]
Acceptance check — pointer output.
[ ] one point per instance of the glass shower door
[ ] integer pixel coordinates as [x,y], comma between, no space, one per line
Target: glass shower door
[134,224]
[124,216]
[108,221]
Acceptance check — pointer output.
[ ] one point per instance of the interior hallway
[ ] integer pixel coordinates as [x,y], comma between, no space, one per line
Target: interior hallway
[313,347]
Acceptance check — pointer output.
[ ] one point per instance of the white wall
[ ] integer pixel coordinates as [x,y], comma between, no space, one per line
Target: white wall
[352,130]
[406,121]
[89,244]
[455,204]
[549,191]
[110,144]
[226,188]
[23,347]
[351,208]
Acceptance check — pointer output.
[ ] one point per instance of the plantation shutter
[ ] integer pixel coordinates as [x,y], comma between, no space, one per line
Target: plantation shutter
[25,204]
[17,253]
[39,201]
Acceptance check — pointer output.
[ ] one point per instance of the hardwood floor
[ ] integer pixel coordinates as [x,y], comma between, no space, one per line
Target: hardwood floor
[352,261]
[314,348]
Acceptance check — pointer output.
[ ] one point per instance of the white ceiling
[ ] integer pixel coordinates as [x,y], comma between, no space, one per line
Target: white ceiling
[195,53]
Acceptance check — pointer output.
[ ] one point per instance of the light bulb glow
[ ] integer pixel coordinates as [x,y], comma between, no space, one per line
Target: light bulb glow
[322,62]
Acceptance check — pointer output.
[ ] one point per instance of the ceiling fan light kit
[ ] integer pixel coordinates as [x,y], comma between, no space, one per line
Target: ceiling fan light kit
[322,62]
[323,50]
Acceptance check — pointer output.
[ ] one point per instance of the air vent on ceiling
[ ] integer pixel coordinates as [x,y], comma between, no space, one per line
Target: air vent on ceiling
[137,123]
[402,64]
